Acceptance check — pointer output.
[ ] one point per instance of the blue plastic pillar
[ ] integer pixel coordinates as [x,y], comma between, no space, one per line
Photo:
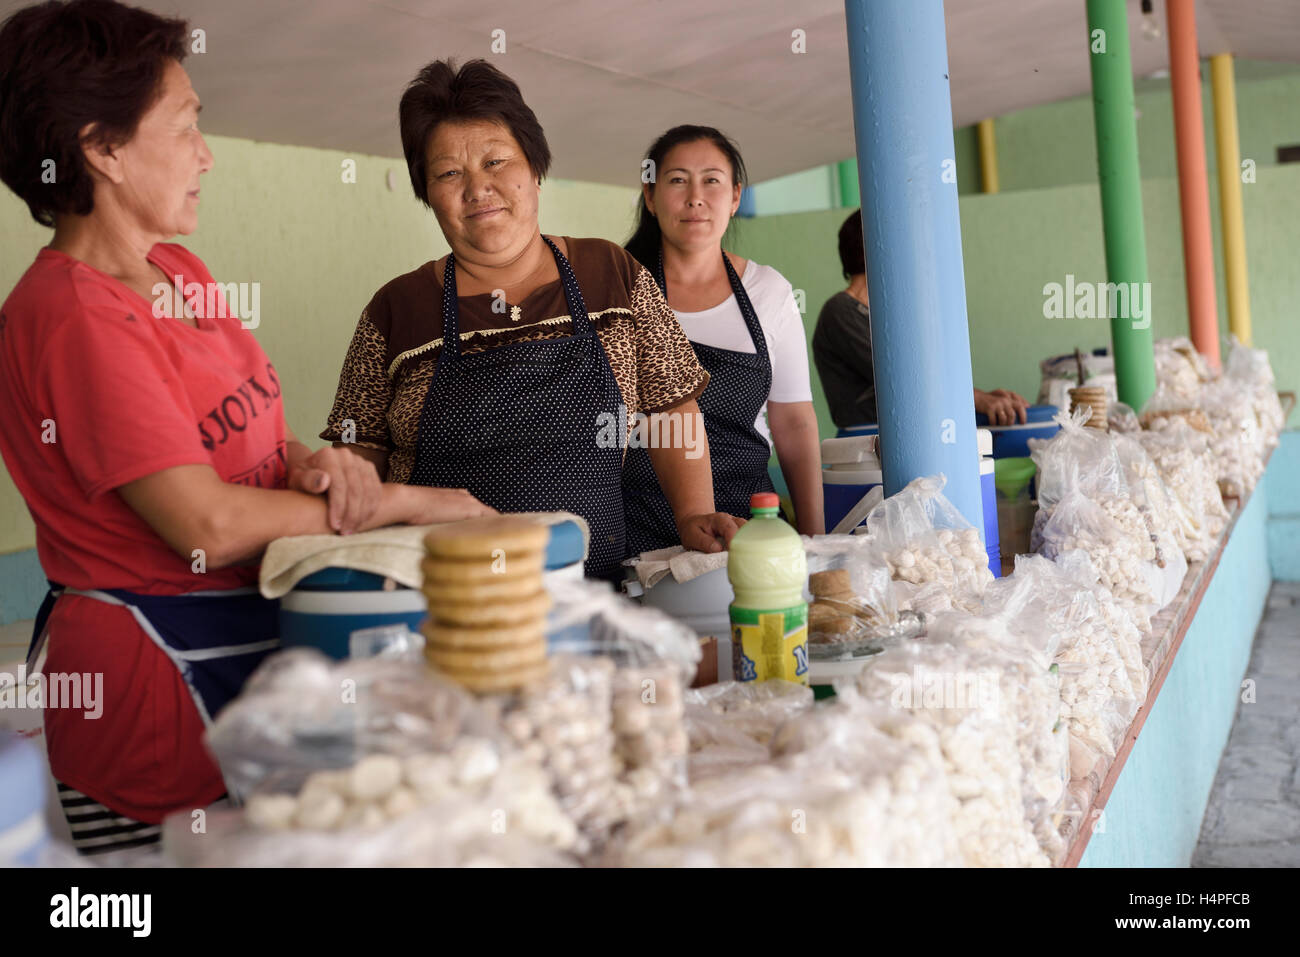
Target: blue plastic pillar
[902,115]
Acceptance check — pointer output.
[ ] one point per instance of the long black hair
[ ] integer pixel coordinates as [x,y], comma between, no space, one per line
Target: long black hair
[646,240]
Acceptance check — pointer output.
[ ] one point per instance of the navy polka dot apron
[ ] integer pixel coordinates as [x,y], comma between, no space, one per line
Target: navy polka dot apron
[739,384]
[518,425]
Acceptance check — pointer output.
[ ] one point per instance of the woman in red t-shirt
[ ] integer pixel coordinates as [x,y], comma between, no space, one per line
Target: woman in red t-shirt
[142,423]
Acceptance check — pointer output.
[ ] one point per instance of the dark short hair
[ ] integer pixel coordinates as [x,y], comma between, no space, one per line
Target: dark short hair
[647,238]
[852,257]
[441,93]
[64,66]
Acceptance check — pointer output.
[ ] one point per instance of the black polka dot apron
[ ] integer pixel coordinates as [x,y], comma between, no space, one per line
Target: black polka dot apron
[739,384]
[520,426]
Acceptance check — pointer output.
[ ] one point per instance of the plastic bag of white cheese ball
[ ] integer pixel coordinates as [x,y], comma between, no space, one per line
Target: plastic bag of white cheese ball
[1012,643]
[1180,369]
[732,724]
[1076,457]
[1098,657]
[838,795]
[1182,454]
[1159,512]
[923,540]
[368,762]
[1238,443]
[951,701]
[1249,369]
[440,811]
[1114,537]
[303,712]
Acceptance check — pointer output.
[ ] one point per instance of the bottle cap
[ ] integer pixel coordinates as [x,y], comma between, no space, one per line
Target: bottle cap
[764,500]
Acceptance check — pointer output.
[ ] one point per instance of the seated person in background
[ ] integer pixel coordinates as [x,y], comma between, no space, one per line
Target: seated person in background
[841,347]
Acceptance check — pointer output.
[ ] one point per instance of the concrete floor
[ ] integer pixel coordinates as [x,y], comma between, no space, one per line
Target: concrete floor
[1253,818]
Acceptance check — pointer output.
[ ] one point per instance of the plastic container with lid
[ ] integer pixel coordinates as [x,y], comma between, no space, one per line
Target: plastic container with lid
[325,608]
[768,571]
[1011,441]
[850,470]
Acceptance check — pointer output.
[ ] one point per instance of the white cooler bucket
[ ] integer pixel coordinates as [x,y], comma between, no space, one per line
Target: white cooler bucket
[701,604]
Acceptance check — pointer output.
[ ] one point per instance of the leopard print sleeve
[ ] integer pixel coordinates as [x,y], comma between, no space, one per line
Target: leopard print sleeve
[364,393]
[667,372]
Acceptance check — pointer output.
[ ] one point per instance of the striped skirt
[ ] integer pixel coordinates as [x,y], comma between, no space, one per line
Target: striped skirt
[98,830]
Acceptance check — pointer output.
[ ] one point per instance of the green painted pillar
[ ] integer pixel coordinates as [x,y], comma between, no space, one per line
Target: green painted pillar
[850,196]
[1121,200]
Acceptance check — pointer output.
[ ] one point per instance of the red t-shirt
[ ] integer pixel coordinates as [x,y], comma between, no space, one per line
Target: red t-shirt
[96,392]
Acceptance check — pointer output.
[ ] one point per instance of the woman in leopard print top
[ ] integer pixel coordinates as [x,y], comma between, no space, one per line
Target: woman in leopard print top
[477,156]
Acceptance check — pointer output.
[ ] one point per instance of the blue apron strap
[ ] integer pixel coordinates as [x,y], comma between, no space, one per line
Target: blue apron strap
[42,619]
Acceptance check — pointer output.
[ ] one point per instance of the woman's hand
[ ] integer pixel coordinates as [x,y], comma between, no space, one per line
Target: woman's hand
[1002,406]
[350,483]
[429,506]
[701,533]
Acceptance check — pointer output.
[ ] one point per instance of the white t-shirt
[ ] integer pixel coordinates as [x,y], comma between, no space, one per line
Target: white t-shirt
[723,327]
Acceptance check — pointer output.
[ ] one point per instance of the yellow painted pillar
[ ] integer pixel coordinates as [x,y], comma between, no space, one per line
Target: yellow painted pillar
[988,156]
[1228,151]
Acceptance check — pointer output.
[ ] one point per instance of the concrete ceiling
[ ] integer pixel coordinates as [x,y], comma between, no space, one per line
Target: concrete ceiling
[607,76]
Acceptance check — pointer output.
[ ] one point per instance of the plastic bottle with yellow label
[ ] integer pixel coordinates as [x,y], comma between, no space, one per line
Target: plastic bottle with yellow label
[767,569]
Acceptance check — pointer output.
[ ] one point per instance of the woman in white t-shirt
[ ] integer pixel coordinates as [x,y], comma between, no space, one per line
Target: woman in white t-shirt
[747,332]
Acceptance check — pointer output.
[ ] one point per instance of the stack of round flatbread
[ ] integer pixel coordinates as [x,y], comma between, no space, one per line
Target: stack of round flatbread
[487,608]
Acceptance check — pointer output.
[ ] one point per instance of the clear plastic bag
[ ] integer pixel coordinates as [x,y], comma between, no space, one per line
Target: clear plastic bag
[1180,369]
[1016,633]
[1121,418]
[948,698]
[369,763]
[1115,540]
[1182,454]
[652,744]
[1251,371]
[1097,654]
[563,722]
[1159,513]
[302,712]
[837,794]
[732,724]
[1237,443]
[588,617]
[923,539]
[1076,457]
[853,606]
[510,822]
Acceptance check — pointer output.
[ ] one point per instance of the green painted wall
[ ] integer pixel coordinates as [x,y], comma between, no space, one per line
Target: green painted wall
[797,193]
[282,216]
[1055,144]
[1015,243]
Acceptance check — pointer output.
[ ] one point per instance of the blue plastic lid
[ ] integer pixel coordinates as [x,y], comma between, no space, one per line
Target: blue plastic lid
[23,774]
[342,579]
[1035,413]
[565,546]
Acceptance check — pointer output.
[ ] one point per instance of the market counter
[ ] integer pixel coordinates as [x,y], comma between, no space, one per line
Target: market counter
[1147,810]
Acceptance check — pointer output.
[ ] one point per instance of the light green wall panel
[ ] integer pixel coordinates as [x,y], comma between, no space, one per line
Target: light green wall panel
[1055,145]
[799,192]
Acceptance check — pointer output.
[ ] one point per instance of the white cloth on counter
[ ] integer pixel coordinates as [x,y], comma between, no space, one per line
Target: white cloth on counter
[394,552]
[653,566]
